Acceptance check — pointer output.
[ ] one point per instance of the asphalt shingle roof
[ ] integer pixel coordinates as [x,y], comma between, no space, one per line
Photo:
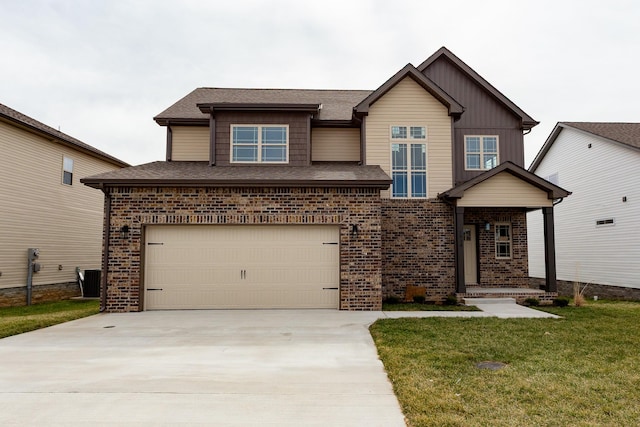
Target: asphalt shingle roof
[336,104]
[17,117]
[625,133]
[201,174]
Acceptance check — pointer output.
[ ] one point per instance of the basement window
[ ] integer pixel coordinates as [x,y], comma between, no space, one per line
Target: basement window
[605,222]
[67,170]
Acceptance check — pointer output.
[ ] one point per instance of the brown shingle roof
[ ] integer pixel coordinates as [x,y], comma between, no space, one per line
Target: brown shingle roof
[183,174]
[625,133]
[14,116]
[336,104]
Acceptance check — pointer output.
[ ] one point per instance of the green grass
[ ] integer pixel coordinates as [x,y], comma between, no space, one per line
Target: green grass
[412,306]
[581,370]
[17,320]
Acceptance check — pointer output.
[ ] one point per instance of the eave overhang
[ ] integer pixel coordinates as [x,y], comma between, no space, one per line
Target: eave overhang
[212,108]
[553,191]
[454,108]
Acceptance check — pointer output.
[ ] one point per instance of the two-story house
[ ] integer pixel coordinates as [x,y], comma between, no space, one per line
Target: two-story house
[45,207]
[280,198]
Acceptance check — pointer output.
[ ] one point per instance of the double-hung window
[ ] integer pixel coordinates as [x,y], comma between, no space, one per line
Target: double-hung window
[503,240]
[481,152]
[67,170]
[259,143]
[409,161]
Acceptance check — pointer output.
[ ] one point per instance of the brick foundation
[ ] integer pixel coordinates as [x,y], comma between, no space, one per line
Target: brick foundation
[13,297]
[360,257]
[565,288]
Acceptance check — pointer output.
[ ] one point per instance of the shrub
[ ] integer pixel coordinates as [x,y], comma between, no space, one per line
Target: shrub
[532,302]
[561,302]
[419,299]
[392,300]
[451,300]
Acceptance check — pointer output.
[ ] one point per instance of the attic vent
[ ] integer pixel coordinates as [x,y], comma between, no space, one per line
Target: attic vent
[607,221]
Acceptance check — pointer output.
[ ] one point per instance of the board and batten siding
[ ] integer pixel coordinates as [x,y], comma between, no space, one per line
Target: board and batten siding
[335,145]
[504,190]
[38,211]
[407,103]
[599,177]
[190,143]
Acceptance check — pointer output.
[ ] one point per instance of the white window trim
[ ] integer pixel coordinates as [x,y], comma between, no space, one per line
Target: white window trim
[466,167]
[64,169]
[495,237]
[408,140]
[260,127]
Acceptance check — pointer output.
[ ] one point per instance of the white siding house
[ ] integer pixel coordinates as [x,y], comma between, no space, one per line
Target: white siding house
[597,229]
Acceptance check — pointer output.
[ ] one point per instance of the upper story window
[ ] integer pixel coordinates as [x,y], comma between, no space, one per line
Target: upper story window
[259,143]
[481,152]
[409,161]
[67,170]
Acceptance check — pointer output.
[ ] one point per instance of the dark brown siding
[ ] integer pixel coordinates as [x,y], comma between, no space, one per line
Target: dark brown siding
[483,115]
[298,133]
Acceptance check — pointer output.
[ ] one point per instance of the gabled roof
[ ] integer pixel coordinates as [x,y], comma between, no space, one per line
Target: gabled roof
[623,133]
[200,174]
[553,191]
[48,132]
[334,104]
[527,121]
[455,109]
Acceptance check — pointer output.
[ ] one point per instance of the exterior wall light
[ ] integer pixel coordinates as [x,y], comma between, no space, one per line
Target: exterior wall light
[487,226]
[124,231]
[354,230]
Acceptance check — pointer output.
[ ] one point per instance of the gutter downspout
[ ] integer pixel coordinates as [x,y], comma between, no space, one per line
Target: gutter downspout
[105,253]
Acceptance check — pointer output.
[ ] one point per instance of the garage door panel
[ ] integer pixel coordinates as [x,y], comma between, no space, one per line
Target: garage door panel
[242,267]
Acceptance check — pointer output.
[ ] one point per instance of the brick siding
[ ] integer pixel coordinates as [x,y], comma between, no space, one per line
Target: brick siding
[360,256]
[418,248]
[11,297]
[565,288]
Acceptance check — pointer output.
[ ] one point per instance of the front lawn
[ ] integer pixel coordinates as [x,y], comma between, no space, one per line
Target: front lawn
[17,320]
[581,370]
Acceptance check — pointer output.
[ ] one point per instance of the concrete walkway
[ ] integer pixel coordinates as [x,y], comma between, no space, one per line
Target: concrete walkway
[223,368]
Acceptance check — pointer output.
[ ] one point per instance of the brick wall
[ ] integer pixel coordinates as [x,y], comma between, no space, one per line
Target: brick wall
[417,248]
[565,288]
[360,256]
[10,297]
[495,272]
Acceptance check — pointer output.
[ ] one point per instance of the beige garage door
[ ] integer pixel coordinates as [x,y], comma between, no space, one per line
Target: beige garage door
[241,266]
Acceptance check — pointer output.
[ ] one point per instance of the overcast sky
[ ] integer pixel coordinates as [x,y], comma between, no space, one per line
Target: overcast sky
[101,70]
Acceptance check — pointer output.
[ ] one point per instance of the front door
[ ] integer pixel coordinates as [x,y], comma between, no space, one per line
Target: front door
[470,255]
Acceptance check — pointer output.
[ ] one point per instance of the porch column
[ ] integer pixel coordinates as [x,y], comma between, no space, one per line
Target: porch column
[461,286]
[549,251]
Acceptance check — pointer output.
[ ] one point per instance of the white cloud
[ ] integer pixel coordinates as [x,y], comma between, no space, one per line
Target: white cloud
[102,70]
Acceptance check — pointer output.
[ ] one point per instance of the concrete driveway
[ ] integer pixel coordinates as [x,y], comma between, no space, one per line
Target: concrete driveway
[275,367]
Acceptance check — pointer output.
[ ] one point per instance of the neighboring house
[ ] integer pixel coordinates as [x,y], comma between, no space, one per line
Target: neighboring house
[283,198]
[45,207]
[598,228]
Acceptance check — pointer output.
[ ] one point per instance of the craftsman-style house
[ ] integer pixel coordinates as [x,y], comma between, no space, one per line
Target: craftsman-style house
[281,198]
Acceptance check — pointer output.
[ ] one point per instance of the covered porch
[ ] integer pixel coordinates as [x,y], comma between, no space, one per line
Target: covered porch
[491,256]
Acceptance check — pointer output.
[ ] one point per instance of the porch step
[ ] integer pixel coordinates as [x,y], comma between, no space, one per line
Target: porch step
[476,301]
